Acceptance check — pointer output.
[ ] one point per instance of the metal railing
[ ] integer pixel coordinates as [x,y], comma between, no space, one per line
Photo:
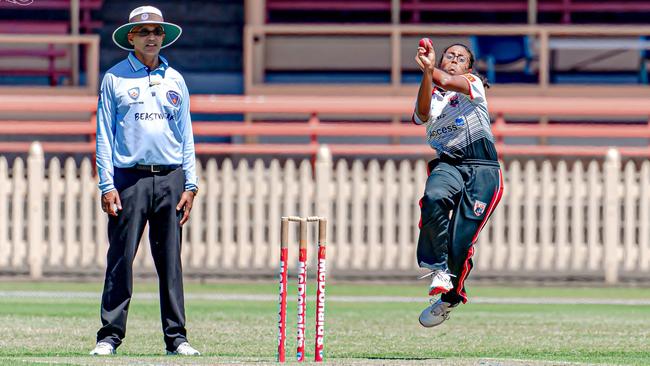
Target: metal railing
[314,112]
[256,36]
[91,49]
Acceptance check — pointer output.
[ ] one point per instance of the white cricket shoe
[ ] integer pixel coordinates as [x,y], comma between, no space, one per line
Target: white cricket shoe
[103,349]
[440,282]
[184,349]
[436,313]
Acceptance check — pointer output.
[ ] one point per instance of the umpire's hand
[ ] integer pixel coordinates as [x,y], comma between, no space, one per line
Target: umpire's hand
[111,202]
[185,204]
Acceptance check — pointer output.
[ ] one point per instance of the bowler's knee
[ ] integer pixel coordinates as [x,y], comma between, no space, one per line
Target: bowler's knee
[436,198]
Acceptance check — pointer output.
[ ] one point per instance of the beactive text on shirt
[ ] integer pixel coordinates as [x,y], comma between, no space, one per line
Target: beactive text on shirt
[153,116]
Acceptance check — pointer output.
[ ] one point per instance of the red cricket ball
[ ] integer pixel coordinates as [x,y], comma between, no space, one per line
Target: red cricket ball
[426,43]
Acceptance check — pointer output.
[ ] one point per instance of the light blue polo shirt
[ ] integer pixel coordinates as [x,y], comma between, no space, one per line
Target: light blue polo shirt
[143,117]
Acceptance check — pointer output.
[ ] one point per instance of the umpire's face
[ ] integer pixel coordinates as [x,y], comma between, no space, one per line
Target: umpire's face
[147,39]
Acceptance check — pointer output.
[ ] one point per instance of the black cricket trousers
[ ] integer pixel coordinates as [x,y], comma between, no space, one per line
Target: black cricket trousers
[151,197]
[470,191]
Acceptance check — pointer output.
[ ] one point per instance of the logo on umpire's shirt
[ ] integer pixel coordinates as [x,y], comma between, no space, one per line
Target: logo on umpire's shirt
[134,93]
[479,208]
[174,98]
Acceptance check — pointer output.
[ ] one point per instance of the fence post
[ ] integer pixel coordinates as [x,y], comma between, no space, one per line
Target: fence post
[35,195]
[611,213]
[323,170]
[323,186]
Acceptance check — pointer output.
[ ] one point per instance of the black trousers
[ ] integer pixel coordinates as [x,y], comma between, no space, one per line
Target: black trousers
[470,191]
[146,197]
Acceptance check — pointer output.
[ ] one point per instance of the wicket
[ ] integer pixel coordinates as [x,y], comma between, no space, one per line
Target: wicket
[302,287]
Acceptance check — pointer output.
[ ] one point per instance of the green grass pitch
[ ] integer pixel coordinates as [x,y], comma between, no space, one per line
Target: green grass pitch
[59,328]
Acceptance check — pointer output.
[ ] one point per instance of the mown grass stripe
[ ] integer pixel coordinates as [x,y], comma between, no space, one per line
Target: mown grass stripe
[343,299]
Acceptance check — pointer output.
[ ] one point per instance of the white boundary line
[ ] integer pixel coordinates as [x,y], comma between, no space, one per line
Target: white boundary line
[348,299]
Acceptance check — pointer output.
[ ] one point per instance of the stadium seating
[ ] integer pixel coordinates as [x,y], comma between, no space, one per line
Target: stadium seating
[44,9]
[458,11]
[499,50]
[300,124]
[213,64]
[590,11]
[643,63]
[49,17]
[50,53]
[209,53]
[549,11]
[375,56]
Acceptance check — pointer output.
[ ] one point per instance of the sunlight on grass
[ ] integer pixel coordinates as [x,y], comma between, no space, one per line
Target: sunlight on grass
[62,330]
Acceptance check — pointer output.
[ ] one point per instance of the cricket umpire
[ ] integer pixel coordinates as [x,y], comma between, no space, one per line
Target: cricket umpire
[146,168]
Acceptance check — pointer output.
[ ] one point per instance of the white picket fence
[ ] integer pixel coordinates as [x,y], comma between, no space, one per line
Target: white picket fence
[555,219]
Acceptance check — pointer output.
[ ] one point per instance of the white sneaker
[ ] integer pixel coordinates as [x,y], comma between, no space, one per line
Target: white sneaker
[103,349]
[440,282]
[436,313]
[184,349]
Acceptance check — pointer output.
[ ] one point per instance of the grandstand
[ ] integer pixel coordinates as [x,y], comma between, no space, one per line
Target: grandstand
[272,82]
[209,53]
[548,49]
[460,11]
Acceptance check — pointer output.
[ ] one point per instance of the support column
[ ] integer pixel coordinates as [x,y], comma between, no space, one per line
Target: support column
[74,30]
[255,17]
[532,12]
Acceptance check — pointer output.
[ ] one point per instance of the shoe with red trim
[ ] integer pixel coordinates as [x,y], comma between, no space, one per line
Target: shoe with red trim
[440,282]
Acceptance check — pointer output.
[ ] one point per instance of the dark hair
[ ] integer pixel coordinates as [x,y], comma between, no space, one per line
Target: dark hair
[483,79]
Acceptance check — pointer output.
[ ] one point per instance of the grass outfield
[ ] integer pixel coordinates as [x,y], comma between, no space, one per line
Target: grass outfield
[60,329]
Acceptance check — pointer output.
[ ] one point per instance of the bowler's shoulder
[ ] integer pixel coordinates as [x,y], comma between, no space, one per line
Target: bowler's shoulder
[470,76]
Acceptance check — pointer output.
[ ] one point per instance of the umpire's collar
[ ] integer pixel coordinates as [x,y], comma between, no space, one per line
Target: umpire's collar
[136,65]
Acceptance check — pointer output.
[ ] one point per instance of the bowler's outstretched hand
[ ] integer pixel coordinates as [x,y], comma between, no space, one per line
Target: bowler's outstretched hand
[426,55]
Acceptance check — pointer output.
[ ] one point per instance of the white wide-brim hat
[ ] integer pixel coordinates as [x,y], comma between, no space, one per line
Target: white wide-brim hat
[146,15]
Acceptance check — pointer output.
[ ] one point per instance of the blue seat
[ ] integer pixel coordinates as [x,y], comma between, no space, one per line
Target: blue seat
[502,50]
[643,67]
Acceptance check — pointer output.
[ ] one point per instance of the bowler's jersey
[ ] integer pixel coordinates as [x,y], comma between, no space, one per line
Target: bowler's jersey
[143,117]
[459,125]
